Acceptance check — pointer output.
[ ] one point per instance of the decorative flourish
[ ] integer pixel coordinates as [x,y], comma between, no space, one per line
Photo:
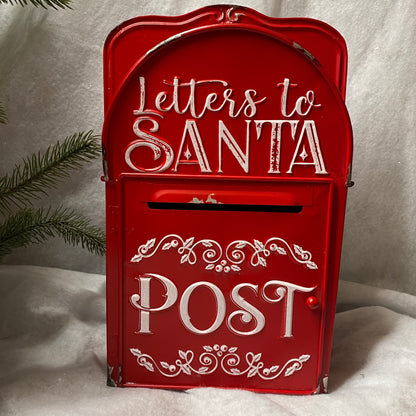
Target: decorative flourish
[220,357]
[231,15]
[235,253]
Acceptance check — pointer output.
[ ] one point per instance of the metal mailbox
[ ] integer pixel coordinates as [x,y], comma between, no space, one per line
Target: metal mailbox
[227,153]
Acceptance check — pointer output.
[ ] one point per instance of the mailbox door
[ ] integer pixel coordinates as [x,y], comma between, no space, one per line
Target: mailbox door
[224,284]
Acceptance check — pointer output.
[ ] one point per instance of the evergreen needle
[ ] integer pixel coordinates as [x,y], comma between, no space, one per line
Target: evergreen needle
[44,170]
[55,4]
[3,116]
[29,226]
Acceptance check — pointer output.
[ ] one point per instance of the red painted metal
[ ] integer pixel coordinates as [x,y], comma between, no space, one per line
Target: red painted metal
[227,154]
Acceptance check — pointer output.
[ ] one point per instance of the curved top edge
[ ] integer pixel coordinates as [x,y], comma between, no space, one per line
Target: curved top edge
[231,16]
[227,14]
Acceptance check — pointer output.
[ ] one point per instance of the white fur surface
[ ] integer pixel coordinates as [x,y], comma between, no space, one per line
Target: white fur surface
[53,356]
[51,85]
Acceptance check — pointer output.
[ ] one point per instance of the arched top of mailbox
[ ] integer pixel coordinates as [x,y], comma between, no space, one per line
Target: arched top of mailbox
[133,38]
[227,100]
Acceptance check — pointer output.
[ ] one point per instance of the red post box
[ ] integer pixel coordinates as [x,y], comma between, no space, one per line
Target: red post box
[227,154]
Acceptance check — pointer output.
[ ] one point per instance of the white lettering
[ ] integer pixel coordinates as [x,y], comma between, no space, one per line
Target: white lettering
[184,312]
[196,98]
[275,139]
[153,142]
[141,301]
[286,290]
[189,91]
[191,130]
[307,101]
[247,312]
[317,160]
[225,136]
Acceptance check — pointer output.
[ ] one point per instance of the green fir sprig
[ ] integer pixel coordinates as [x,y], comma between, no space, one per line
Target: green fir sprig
[41,171]
[55,4]
[29,226]
[28,181]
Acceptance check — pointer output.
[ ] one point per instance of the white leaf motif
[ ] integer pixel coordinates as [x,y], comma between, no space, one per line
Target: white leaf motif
[136,352]
[189,242]
[262,261]
[258,244]
[252,372]
[257,357]
[150,243]
[281,251]
[186,370]
[300,251]
[149,366]
[290,370]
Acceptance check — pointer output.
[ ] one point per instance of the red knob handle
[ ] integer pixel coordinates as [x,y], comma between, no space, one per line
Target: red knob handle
[312,302]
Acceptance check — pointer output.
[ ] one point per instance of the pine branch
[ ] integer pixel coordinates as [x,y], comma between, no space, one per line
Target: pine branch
[55,4]
[41,171]
[29,226]
[3,115]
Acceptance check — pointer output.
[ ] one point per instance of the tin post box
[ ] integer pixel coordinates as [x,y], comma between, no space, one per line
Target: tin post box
[227,153]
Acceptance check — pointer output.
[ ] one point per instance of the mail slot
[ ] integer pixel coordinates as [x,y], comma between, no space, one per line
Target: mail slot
[227,151]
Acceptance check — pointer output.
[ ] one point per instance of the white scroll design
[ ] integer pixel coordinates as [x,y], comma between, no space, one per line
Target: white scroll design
[222,358]
[229,259]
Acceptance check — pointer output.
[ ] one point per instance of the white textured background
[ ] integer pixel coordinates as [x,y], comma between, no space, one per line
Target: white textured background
[53,361]
[51,84]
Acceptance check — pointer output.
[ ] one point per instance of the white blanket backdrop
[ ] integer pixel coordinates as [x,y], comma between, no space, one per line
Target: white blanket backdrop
[52,347]
[53,360]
